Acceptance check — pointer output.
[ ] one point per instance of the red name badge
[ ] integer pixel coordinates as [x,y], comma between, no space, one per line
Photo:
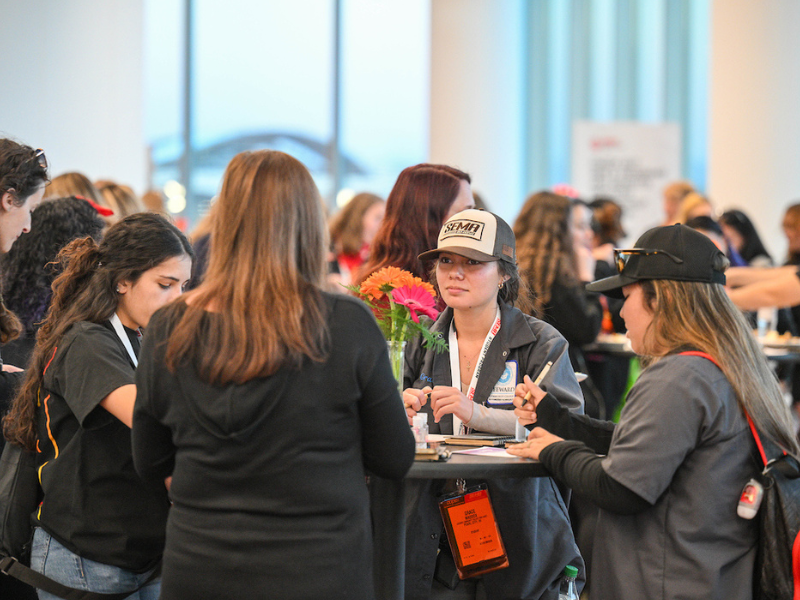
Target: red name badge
[472,532]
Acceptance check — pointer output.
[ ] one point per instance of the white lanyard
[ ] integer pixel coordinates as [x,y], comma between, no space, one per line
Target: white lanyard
[120,330]
[455,364]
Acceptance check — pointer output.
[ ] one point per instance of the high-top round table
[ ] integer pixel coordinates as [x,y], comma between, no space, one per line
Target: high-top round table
[388,505]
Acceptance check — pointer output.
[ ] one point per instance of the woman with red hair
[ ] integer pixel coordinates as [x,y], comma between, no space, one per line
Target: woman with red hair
[422,199]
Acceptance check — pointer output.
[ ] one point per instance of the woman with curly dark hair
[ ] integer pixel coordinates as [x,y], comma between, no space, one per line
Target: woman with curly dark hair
[26,270]
[556,268]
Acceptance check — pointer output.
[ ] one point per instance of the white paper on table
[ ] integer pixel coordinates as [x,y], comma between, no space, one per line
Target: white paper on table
[436,437]
[489,451]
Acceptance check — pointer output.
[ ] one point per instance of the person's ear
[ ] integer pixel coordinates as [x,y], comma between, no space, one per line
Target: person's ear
[7,201]
[122,287]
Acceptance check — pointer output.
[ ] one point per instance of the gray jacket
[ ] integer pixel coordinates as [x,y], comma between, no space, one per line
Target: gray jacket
[531,513]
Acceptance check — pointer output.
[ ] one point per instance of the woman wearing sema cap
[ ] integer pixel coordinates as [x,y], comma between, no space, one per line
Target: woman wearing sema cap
[673,468]
[492,345]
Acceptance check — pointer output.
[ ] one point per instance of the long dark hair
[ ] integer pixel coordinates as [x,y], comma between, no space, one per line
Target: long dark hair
[27,272]
[752,245]
[266,267]
[86,291]
[415,212]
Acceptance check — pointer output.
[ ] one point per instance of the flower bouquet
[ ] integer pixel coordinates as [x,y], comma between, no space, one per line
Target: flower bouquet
[400,303]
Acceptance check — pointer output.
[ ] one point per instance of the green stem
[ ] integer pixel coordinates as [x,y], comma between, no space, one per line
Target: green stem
[393,329]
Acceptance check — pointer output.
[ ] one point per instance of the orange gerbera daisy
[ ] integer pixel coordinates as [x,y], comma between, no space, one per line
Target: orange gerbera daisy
[377,285]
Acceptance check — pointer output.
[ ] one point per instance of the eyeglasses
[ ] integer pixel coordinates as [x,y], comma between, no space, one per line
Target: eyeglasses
[40,158]
[621,256]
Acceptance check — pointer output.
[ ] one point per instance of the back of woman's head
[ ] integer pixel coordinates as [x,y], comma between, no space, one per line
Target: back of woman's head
[700,316]
[21,171]
[694,204]
[544,245]
[73,184]
[268,223]
[416,209]
[347,226]
[266,266]
[86,291]
[26,270]
[607,221]
[120,199]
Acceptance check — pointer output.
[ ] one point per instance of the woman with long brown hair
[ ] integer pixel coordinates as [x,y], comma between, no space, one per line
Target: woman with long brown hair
[422,199]
[266,400]
[668,477]
[556,265]
[76,406]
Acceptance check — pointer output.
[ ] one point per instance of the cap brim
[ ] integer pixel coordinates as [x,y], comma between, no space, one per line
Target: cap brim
[611,286]
[461,251]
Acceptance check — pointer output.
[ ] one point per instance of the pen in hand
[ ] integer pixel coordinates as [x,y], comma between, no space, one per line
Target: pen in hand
[539,380]
[520,432]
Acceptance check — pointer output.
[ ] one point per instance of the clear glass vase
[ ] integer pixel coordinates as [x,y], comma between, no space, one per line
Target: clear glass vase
[397,351]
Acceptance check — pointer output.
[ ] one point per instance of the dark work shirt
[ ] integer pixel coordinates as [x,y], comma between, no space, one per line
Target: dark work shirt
[94,502]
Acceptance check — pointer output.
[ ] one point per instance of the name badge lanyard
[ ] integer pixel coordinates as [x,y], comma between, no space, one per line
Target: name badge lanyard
[455,366]
[120,331]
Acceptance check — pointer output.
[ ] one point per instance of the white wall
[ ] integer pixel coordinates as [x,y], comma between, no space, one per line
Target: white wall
[754,112]
[72,84]
[477,104]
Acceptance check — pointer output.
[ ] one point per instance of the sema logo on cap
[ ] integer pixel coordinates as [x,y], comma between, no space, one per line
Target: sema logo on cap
[465,228]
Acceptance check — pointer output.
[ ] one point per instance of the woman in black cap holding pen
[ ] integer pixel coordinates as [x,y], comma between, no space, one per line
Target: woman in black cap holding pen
[672,470]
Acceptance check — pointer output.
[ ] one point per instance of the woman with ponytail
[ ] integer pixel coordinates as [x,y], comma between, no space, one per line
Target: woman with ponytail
[99,527]
[668,476]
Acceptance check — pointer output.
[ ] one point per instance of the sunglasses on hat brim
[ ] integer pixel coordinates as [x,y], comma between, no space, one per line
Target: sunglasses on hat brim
[622,255]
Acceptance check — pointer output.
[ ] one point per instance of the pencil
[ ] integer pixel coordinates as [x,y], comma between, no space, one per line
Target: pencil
[539,380]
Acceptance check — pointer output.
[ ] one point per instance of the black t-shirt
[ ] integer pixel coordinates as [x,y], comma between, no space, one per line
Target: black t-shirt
[94,502]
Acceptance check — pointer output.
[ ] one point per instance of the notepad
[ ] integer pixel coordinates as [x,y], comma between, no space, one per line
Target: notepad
[478,439]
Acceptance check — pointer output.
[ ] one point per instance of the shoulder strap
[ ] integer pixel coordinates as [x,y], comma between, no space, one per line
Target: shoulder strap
[746,414]
[700,354]
[11,566]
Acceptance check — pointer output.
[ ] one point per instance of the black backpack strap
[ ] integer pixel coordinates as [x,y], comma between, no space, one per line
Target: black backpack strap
[11,566]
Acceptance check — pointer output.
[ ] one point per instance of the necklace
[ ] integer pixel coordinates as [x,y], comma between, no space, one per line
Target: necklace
[469,359]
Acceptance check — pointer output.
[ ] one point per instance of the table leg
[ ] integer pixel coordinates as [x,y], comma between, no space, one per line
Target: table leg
[387,498]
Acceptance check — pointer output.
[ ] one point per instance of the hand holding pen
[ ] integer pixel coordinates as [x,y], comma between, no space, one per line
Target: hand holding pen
[414,400]
[528,395]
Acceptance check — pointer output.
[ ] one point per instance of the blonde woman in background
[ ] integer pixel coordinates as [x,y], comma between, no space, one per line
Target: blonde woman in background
[694,205]
[121,199]
[73,184]
[674,194]
[352,230]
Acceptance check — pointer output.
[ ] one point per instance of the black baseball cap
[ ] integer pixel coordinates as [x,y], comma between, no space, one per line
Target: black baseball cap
[675,252]
[476,234]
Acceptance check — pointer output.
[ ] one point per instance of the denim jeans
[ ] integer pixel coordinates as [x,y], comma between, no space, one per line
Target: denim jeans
[52,559]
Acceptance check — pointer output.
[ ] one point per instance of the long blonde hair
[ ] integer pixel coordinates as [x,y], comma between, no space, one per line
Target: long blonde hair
[264,275]
[544,246]
[701,316]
